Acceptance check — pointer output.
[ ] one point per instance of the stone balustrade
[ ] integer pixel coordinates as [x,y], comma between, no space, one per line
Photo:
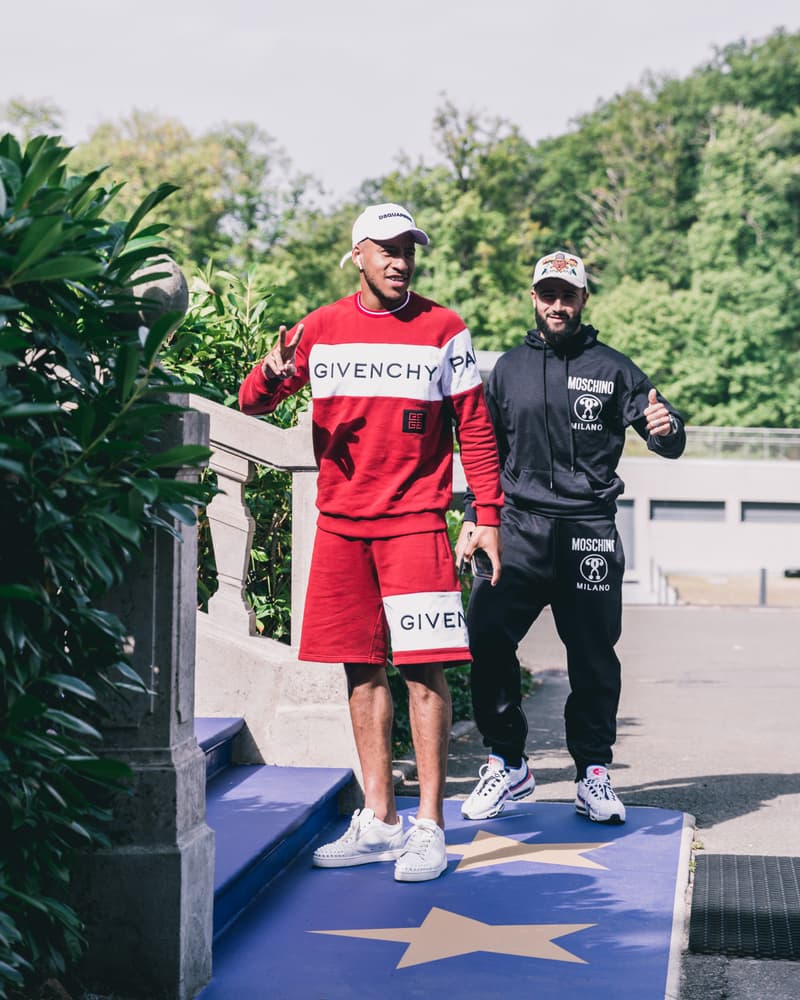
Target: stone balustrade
[239,443]
[295,713]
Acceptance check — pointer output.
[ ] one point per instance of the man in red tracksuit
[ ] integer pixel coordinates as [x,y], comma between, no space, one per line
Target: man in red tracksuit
[391,374]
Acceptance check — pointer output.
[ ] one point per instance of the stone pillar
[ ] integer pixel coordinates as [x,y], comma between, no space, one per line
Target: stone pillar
[147,899]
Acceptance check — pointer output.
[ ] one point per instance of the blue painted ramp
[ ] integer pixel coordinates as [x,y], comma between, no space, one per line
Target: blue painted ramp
[537,903]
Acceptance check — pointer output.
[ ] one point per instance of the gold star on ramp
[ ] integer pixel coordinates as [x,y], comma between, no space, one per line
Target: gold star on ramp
[444,935]
[489,849]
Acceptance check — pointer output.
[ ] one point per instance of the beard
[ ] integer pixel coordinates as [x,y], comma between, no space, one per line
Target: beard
[557,338]
[390,298]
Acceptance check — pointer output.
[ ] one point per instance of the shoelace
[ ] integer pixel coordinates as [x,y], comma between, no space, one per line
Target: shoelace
[489,777]
[600,787]
[351,833]
[419,839]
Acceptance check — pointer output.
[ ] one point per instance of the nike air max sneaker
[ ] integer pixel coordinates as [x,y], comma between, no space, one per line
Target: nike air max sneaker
[595,798]
[497,785]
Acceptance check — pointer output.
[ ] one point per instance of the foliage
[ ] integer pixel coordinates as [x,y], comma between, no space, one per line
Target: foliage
[226,330]
[640,186]
[479,210]
[236,189]
[726,350]
[26,119]
[222,335]
[83,482]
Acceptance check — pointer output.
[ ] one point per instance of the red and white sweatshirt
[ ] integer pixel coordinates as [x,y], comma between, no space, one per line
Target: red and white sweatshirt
[386,389]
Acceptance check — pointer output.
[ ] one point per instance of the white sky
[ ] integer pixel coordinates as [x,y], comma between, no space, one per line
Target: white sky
[345,86]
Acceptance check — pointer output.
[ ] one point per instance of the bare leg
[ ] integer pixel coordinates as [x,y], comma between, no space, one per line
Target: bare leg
[430,712]
[372,712]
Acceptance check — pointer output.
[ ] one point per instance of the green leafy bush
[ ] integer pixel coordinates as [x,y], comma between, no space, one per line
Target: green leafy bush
[83,479]
[226,330]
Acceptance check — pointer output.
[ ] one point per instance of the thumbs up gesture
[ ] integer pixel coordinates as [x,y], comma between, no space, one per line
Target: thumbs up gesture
[658,421]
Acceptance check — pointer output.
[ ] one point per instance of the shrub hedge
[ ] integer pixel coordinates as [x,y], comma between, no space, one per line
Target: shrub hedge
[82,481]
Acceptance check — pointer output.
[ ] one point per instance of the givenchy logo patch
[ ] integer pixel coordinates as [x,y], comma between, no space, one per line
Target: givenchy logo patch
[414,421]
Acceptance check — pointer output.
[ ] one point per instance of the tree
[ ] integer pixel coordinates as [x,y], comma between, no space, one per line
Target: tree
[478,207]
[727,350]
[637,228]
[235,191]
[29,118]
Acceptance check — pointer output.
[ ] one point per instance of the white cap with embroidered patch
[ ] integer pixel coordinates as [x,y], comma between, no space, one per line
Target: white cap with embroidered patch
[560,264]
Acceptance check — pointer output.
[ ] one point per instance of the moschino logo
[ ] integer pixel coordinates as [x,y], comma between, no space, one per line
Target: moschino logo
[581,384]
[592,544]
[587,407]
[593,568]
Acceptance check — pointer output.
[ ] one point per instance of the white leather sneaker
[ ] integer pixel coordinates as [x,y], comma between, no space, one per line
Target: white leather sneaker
[424,854]
[367,839]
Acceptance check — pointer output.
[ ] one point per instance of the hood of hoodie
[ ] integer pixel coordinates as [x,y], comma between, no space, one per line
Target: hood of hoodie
[560,418]
[582,340]
[564,435]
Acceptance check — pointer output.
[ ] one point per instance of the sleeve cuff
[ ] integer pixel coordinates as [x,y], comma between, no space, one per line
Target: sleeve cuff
[490,516]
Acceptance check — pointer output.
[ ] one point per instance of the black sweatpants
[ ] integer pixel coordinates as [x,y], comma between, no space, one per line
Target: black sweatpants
[576,567]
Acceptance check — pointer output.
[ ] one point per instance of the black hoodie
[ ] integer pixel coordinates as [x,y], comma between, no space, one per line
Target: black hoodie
[560,417]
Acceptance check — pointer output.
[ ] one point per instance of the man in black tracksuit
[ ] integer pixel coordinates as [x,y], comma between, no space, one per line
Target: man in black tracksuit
[560,403]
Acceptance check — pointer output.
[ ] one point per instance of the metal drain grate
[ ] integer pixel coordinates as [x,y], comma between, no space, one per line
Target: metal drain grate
[746,905]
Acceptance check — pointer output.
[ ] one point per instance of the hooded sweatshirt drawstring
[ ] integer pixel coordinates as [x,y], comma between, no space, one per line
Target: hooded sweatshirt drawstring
[547,415]
[546,351]
[569,416]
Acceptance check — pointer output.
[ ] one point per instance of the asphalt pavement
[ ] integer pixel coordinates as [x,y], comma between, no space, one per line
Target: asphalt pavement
[708,725]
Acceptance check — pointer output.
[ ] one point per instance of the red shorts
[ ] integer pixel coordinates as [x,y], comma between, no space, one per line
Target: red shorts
[361,591]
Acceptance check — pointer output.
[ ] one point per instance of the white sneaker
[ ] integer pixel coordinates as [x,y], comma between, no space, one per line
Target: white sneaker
[595,798]
[497,785]
[424,854]
[367,839]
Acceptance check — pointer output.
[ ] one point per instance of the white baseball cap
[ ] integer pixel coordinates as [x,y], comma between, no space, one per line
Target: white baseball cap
[384,222]
[560,264]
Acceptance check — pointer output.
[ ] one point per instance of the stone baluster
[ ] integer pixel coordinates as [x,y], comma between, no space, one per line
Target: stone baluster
[232,530]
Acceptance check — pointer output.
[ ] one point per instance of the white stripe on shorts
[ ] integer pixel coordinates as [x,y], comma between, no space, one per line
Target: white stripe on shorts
[433,620]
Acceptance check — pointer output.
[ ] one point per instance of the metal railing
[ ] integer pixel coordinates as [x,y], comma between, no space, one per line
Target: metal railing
[741,443]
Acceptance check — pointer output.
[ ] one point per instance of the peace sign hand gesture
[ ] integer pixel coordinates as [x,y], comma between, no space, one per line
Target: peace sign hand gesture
[279,363]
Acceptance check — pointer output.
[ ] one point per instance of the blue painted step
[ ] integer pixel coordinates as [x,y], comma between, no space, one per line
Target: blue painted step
[215,737]
[536,903]
[263,816]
